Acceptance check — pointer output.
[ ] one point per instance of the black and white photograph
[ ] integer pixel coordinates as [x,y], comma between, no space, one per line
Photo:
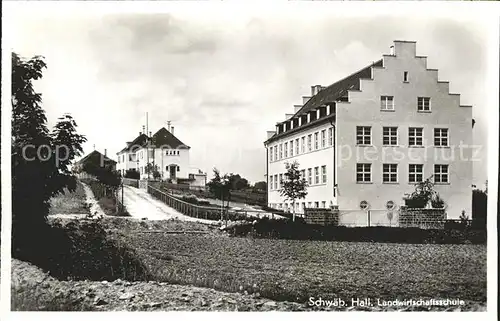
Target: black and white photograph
[212,157]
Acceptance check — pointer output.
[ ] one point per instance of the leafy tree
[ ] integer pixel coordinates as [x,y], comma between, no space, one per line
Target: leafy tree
[479,205]
[293,186]
[132,174]
[423,195]
[237,182]
[220,186]
[261,186]
[40,159]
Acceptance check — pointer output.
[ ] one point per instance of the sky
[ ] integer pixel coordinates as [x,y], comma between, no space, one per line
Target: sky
[223,81]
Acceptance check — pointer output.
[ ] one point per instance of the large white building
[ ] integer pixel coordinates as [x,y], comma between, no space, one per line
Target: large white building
[366,140]
[164,151]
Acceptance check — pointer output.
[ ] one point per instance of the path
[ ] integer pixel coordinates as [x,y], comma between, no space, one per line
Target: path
[140,205]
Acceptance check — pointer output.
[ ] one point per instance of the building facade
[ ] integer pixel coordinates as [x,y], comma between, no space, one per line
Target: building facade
[96,159]
[368,139]
[163,151]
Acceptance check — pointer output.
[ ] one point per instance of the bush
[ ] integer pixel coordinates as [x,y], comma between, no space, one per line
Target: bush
[82,250]
[299,230]
[132,174]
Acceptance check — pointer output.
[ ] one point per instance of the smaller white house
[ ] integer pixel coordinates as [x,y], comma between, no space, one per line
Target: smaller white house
[163,151]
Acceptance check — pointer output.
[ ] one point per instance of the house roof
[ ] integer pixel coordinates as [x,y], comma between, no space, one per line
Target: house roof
[332,93]
[95,156]
[161,138]
[166,139]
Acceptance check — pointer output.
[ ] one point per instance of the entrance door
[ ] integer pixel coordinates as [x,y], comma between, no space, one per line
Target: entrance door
[173,171]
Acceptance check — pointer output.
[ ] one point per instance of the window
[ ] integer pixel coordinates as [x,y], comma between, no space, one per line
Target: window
[271,181]
[316,204]
[390,173]
[441,137]
[415,136]
[405,76]
[280,182]
[330,136]
[308,204]
[275,153]
[390,136]
[416,173]
[323,174]
[309,146]
[303,174]
[291,148]
[386,103]
[316,175]
[309,176]
[151,154]
[178,168]
[441,174]
[281,151]
[303,205]
[286,150]
[303,144]
[297,146]
[270,154]
[363,135]
[363,173]
[323,204]
[424,104]
[323,138]
[316,141]
[276,181]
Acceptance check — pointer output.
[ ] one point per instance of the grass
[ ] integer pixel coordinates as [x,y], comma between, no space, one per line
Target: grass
[296,270]
[70,203]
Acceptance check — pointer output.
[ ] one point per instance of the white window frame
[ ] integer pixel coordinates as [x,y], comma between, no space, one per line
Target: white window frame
[291,148]
[316,175]
[281,179]
[316,140]
[330,136]
[285,148]
[323,138]
[415,133]
[365,170]
[387,103]
[303,144]
[271,154]
[363,133]
[309,142]
[309,176]
[424,104]
[441,173]
[414,173]
[441,135]
[390,133]
[271,181]
[276,181]
[281,151]
[297,147]
[323,174]
[389,173]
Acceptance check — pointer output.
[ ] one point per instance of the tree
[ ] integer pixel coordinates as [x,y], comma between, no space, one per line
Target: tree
[237,182]
[260,186]
[40,159]
[424,194]
[132,174]
[220,186]
[293,186]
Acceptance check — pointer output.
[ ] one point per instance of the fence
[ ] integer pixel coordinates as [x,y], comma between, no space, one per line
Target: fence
[203,212]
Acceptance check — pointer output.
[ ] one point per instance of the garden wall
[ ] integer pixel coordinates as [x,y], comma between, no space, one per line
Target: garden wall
[321,216]
[422,218]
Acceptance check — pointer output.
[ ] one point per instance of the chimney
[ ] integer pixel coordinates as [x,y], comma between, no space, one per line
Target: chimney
[172,131]
[270,133]
[296,108]
[392,50]
[144,129]
[140,133]
[105,152]
[315,89]
[168,125]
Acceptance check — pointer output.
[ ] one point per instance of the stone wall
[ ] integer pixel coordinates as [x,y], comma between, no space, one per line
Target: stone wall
[322,216]
[422,218]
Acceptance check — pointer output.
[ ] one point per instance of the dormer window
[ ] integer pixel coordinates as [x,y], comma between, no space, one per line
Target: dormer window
[405,76]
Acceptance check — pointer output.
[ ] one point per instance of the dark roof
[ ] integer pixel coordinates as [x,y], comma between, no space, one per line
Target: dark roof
[96,157]
[339,89]
[330,94]
[140,140]
[166,139]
